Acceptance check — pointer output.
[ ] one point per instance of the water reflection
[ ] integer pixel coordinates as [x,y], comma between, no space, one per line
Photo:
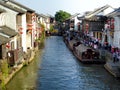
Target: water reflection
[26,78]
[58,69]
[62,71]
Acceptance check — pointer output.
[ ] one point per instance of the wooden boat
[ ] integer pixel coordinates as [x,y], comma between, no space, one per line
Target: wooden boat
[86,54]
[70,43]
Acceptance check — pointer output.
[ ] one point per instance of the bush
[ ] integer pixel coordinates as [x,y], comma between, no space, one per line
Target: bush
[51,28]
[4,68]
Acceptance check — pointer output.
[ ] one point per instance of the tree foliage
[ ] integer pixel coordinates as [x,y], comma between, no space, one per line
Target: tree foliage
[42,37]
[61,15]
[51,28]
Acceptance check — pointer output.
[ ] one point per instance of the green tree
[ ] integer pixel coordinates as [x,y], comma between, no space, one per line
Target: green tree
[51,28]
[61,15]
[43,32]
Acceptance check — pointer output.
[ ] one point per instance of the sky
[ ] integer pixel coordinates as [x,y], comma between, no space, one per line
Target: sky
[70,6]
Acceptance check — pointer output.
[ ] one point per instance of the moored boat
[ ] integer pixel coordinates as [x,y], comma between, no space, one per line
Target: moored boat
[86,54]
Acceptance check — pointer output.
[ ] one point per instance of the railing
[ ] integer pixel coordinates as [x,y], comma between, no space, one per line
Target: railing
[15,56]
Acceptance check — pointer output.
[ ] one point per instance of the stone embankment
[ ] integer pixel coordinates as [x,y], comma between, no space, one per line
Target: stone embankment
[28,58]
[17,68]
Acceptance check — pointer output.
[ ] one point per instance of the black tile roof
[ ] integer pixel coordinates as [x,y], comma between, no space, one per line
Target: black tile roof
[8,31]
[114,13]
[3,39]
[11,7]
[15,2]
[99,10]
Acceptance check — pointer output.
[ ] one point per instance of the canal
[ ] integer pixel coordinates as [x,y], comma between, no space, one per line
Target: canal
[57,69]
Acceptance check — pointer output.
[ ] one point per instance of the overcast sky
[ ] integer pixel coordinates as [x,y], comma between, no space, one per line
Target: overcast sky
[71,6]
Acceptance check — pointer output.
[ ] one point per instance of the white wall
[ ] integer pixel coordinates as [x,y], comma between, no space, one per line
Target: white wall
[108,10]
[116,41]
[8,18]
[24,33]
[76,23]
[2,19]
[48,23]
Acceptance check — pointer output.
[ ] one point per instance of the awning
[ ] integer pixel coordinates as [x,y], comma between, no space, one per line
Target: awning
[3,39]
[8,31]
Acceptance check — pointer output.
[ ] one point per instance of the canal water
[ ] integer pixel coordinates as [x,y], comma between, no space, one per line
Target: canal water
[58,69]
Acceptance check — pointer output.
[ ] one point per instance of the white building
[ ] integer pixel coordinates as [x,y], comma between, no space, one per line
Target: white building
[26,21]
[97,15]
[8,26]
[45,20]
[74,22]
[116,30]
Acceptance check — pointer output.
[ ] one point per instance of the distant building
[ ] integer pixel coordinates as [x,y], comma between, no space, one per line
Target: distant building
[93,23]
[113,28]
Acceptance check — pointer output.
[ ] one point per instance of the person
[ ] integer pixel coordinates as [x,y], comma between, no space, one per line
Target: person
[118,58]
[94,46]
[113,54]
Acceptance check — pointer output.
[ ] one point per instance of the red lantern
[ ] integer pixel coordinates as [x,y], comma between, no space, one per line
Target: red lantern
[112,26]
[21,32]
[20,28]
[29,25]
[112,20]
[7,45]
[33,14]
[108,21]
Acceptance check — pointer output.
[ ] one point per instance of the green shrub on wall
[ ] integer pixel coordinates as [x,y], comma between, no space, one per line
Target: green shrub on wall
[51,28]
[4,68]
[43,32]
[4,73]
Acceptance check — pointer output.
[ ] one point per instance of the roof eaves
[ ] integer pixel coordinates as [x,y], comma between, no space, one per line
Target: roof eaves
[115,12]
[8,31]
[11,7]
[42,15]
[76,14]
[3,39]
[98,10]
[28,9]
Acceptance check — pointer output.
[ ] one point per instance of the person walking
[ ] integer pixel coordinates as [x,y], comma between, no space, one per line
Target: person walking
[113,54]
[118,58]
